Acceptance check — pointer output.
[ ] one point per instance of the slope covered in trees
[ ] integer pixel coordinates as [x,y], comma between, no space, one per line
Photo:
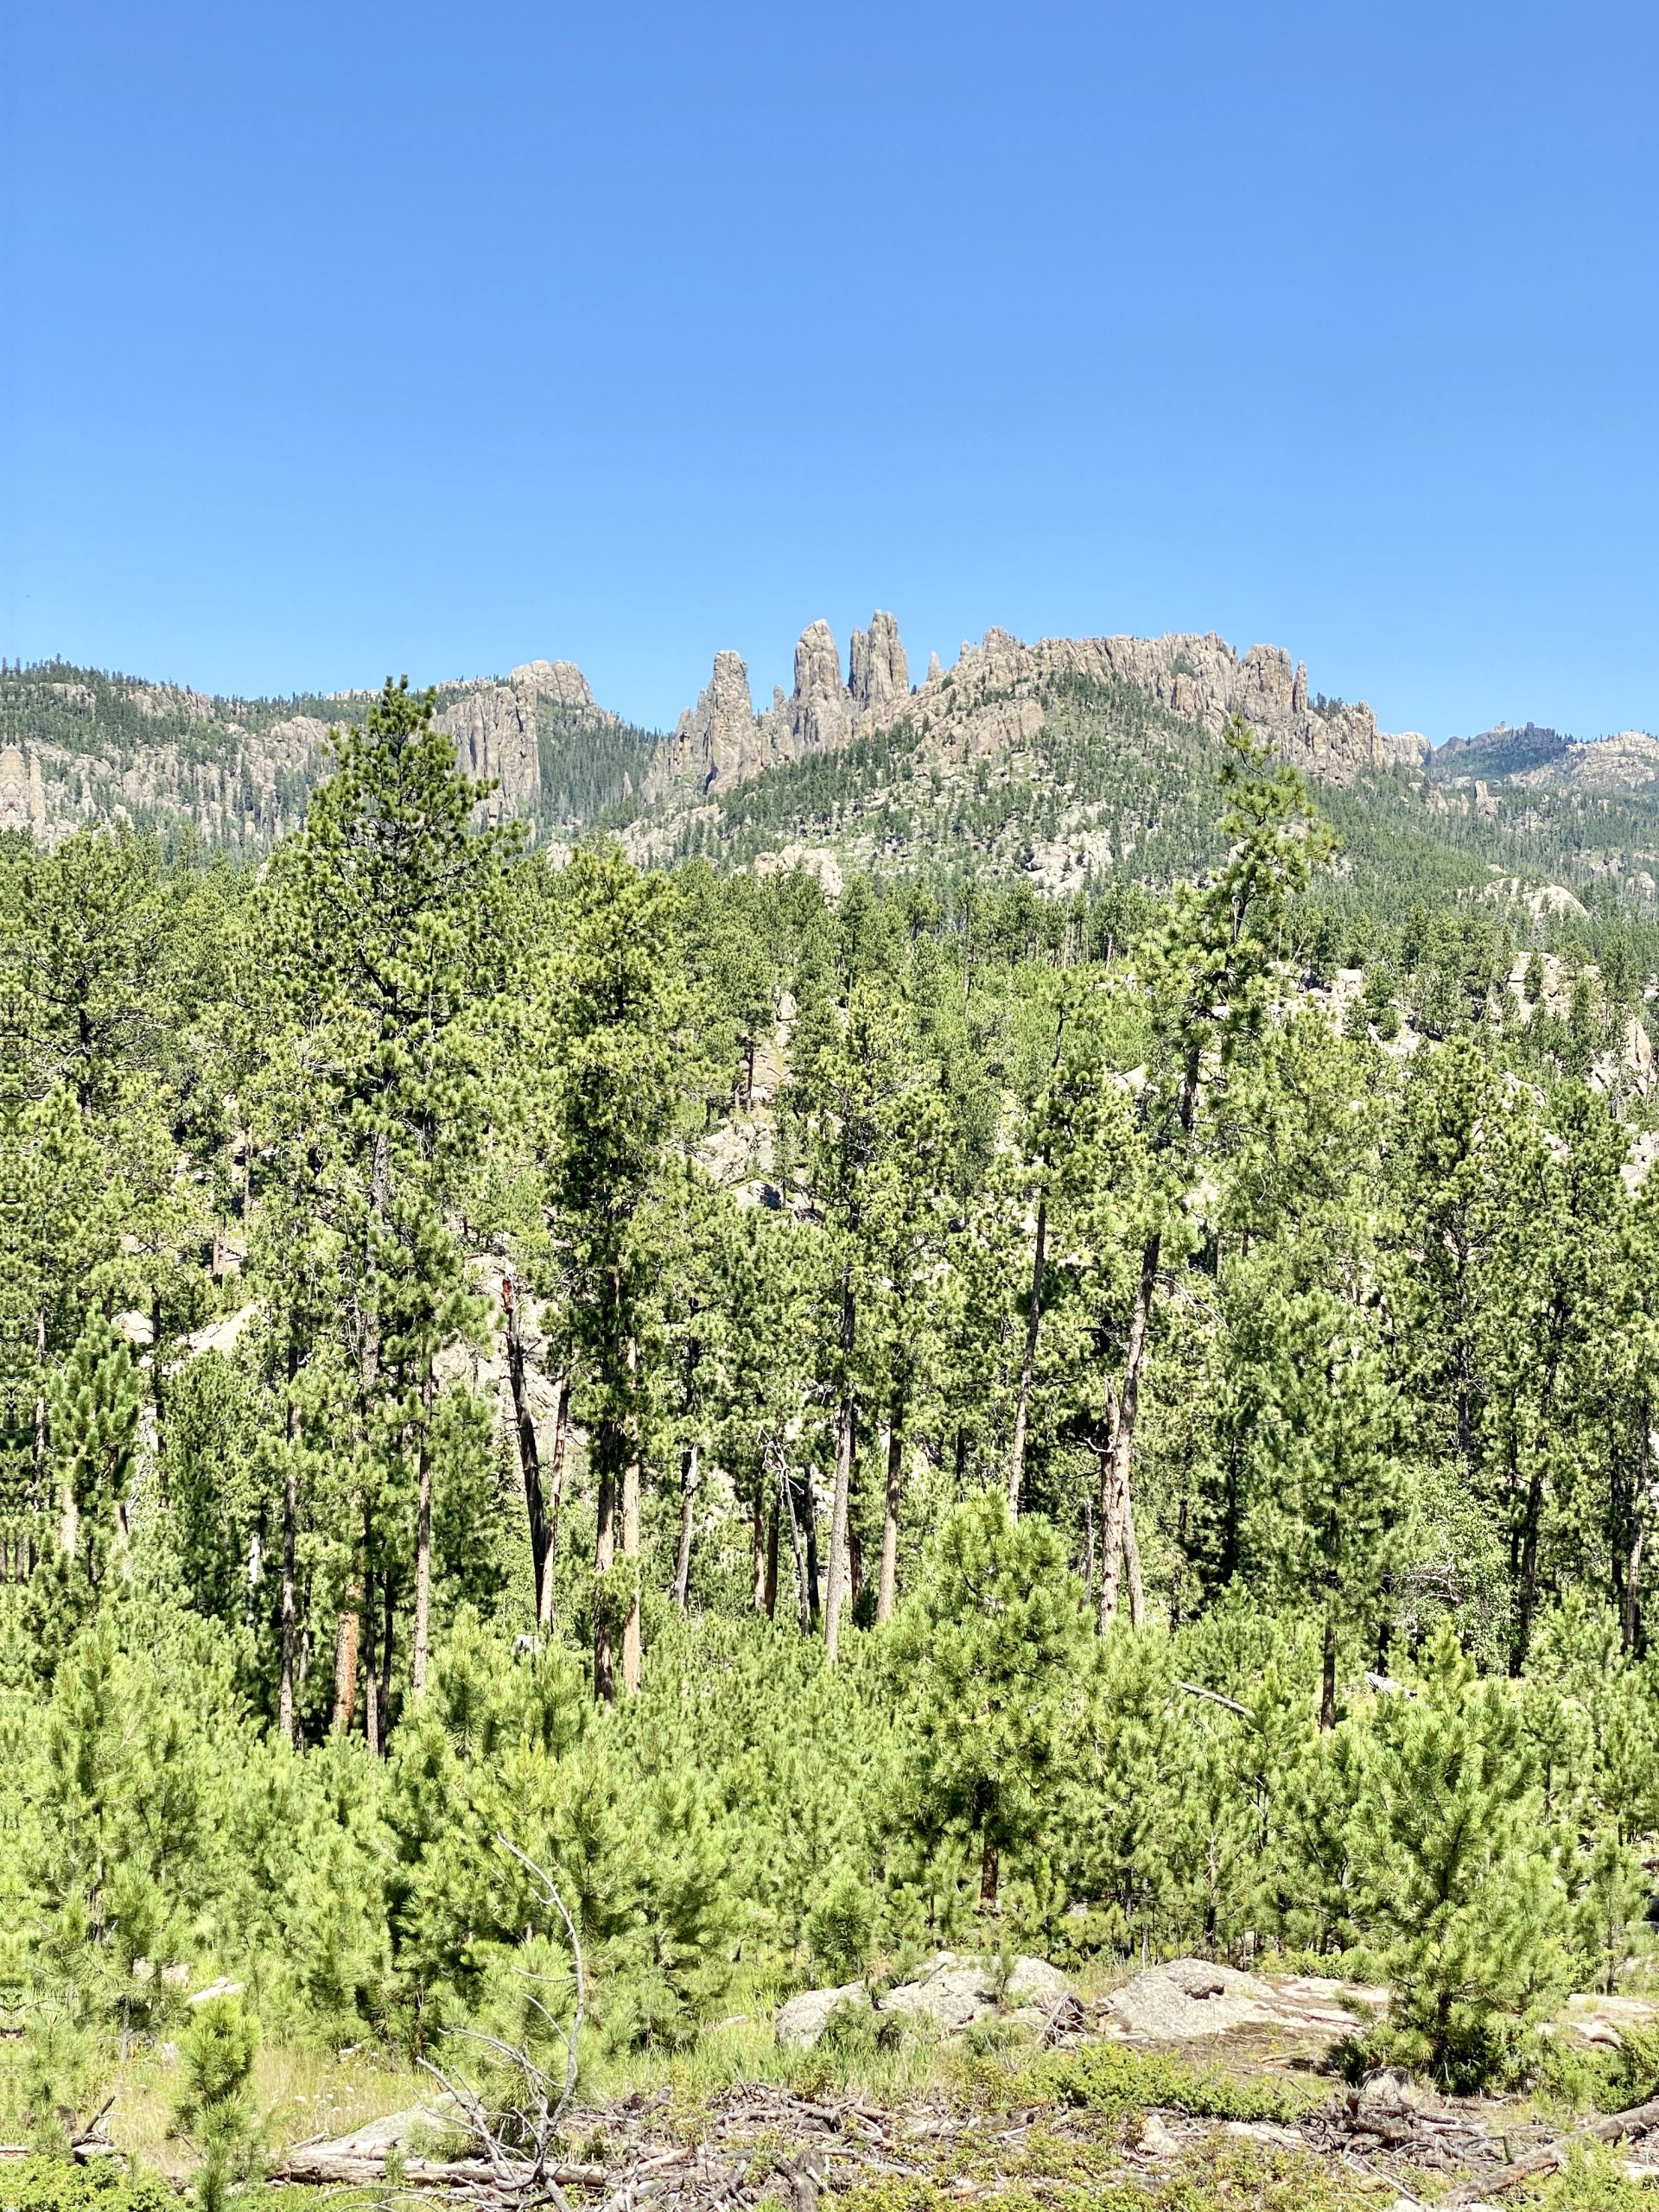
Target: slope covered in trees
[771,1408]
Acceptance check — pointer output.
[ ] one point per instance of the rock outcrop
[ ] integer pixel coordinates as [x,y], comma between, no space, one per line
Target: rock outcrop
[1190,1999]
[996,696]
[497,730]
[107,748]
[720,740]
[879,675]
[949,1993]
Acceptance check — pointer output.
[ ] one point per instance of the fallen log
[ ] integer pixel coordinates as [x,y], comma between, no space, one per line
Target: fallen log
[320,2168]
[1612,2128]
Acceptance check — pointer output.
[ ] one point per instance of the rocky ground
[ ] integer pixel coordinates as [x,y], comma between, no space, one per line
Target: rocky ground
[1189,2086]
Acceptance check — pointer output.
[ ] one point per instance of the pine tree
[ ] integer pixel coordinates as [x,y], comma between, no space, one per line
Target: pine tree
[615,1014]
[1461,1898]
[387,930]
[1002,1629]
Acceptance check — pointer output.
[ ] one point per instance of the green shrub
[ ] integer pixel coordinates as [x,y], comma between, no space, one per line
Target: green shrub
[1117,2082]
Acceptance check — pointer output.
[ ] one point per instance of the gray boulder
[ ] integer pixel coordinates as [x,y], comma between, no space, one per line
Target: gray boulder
[952,1992]
[802,2021]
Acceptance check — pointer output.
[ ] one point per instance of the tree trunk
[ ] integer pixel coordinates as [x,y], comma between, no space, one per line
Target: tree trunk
[604,1560]
[1630,1597]
[371,1732]
[810,1504]
[804,1564]
[629,1439]
[757,1546]
[529,1459]
[389,1602]
[1029,1364]
[688,1516]
[346,1642]
[1132,1568]
[421,1635]
[631,1652]
[770,1598]
[561,1428]
[290,1549]
[886,1593]
[989,1869]
[1328,1678]
[838,1518]
[1115,1504]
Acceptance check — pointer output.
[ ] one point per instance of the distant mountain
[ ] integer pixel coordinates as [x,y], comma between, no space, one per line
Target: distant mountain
[1500,751]
[78,745]
[1061,764]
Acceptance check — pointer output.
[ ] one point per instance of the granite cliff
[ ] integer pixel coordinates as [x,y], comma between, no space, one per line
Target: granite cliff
[78,746]
[995,695]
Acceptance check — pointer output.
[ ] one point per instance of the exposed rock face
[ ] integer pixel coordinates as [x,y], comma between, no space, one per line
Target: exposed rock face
[820,714]
[720,740]
[562,681]
[1189,1999]
[994,697]
[879,677]
[949,1995]
[1202,679]
[494,731]
[225,765]
[801,2022]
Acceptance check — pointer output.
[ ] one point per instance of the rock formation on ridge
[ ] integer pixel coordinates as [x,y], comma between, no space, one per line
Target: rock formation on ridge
[993,697]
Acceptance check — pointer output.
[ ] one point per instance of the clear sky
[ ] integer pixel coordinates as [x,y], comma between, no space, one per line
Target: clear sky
[339,337]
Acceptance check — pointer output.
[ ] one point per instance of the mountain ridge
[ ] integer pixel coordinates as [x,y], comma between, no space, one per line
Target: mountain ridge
[80,745]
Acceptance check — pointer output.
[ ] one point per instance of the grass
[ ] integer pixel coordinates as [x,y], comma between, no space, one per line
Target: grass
[296,2094]
[1214,2177]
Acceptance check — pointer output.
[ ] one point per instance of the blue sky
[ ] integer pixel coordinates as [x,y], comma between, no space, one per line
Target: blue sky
[346,338]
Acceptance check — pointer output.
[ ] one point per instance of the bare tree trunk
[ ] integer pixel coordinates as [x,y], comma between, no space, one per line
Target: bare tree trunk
[1328,1678]
[290,1550]
[809,1499]
[1528,1598]
[803,1563]
[421,1635]
[370,1677]
[688,1516]
[1115,1504]
[1132,1568]
[989,1870]
[604,1560]
[561,1428]
[631,1643]
[389,1606]
[345,1644]
[770,1599]
[887,1595]
[1029,1364]
[758,1548]
[530,1460]
[838,1519]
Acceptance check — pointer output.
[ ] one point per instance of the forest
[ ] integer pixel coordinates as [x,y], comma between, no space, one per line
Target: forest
[555,1410]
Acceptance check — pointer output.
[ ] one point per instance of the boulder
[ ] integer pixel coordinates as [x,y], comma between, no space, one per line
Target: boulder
[803,2020]
[1189,1999]
[952,1992]
[1034,1981]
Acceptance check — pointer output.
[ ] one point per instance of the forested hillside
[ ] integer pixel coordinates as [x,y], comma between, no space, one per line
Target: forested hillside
[1104,1410]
